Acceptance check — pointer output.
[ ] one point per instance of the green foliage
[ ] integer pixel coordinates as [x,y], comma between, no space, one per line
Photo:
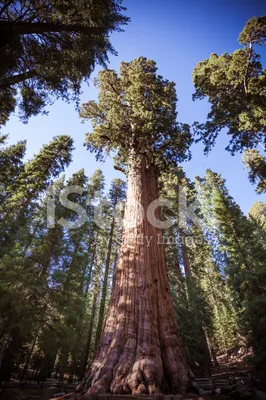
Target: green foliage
[10,166]
[257,213]
[52,279]
[24,265]
[48,49]
[235,86]
[254,31]
[202,299]
[243,246]
[56,283]
[136,113]
[31,181]
[256,166]
[11,162]
[38,173]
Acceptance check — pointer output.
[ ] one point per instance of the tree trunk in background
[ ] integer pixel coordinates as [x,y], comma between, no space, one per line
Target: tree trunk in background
[30,353]
[139,351]
[92,262]
[10,355]
[114,269]
[211,350]
[187,267]
[90,331]
[62,364]
[105,284]
[72,368]
[190,289]
[47,366]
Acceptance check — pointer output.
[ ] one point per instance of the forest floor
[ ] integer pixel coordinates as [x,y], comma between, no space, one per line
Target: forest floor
[232,379]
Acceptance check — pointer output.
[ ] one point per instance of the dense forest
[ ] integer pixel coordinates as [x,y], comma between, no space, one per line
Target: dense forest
[131,287]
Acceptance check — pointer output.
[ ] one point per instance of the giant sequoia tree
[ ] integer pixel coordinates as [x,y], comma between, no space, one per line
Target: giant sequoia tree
[48,48]
[139,350]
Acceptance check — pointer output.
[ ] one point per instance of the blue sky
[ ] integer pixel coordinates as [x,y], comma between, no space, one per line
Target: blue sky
[177,34]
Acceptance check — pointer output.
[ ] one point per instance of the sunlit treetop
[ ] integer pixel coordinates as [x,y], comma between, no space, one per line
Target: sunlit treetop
[254,32]
[257,213]
[235,85]
[136,116]
[256,166]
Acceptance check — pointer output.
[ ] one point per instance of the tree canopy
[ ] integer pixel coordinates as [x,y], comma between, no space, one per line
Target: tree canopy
[49,47]
[256,166]
[110,296]
[235,87]
[136,112]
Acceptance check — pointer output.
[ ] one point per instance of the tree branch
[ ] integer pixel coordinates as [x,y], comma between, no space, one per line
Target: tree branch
[163,146]
[26,28]
[114,89]
[15,79]
[105,137]
[5,7]
[121,169]
[246,71]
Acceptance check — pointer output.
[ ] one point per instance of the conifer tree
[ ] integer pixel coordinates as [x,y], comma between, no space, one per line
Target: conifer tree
[235,86]
[19,265]
[91,276]
[34,178]
[256,165]
[49,48]
[201,296]
[116,195]
[139,350]
[257,214]
[244,261]
[11,164]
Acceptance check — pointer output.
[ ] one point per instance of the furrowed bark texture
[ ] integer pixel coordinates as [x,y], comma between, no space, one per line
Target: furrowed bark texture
[139,351]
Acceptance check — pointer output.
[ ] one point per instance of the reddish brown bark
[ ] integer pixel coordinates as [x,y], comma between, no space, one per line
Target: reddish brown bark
[139,351]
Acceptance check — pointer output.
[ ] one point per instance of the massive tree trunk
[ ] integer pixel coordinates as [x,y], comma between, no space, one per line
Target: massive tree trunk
[139,351]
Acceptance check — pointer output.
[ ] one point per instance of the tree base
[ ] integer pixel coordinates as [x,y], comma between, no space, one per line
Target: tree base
[110,396]
[139,352]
